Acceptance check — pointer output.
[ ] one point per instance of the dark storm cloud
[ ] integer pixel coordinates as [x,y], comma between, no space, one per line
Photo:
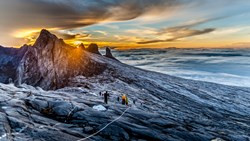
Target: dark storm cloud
[67,14]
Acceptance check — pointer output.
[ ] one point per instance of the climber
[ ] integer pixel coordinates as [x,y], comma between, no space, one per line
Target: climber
[118,98]
[134,101]
[10,81]
[106,95]
[123,99]
[126,100]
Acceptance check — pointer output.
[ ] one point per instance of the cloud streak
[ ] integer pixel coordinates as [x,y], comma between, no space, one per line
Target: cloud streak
[179,32]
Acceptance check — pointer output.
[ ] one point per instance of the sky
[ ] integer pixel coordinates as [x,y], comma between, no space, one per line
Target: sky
[128,24]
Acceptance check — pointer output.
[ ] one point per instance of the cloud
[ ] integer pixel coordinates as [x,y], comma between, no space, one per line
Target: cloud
[66,14]
[179,32]
[155,41]
[33,15]
[240,44]
[204,67]
[101,32]
[188,25]
[231,30]
[67,36]
[124,38]
[29,37]
[145,31]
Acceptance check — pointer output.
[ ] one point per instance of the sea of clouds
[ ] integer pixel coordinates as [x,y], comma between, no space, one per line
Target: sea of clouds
[224,66]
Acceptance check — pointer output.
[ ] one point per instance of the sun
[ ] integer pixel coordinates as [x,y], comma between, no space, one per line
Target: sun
[76,43]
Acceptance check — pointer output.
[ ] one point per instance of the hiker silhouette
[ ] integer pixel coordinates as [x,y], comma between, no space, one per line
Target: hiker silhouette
[123,99]
[106,95]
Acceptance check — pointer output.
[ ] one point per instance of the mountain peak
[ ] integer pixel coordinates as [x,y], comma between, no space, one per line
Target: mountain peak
[82,46]
[45,31]
[44,37]
[109,54]
[93,48]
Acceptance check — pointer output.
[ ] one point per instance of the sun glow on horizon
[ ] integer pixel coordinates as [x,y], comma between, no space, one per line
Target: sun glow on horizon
[155,24]
[30,37]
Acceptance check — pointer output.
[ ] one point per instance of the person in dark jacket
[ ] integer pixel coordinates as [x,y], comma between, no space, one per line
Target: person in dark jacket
[134,101]
[106,95]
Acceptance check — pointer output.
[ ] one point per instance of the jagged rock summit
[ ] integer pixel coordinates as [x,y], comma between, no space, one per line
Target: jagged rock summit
[109,54]
[93,48]
[82,46]
[45,38]
[50,63]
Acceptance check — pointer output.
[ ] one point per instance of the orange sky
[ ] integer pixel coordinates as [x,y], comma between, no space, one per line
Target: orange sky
[129,24]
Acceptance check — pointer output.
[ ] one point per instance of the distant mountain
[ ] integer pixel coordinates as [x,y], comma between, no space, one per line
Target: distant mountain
[9,62]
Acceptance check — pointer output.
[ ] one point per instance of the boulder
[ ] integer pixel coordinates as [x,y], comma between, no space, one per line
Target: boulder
[99,108]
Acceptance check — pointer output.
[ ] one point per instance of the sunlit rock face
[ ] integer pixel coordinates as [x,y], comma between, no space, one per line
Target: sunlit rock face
[50,63]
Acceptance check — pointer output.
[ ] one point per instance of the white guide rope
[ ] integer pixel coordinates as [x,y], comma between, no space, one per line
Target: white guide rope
[104,126]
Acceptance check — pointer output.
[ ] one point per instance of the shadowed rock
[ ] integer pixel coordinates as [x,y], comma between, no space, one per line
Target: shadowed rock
[172,109]
[82,46]
[9,61]
[109,54]
[93,48]
[44,39]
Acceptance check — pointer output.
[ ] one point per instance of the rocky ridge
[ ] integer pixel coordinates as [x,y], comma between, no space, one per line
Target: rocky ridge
[49,63]
[166,107]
